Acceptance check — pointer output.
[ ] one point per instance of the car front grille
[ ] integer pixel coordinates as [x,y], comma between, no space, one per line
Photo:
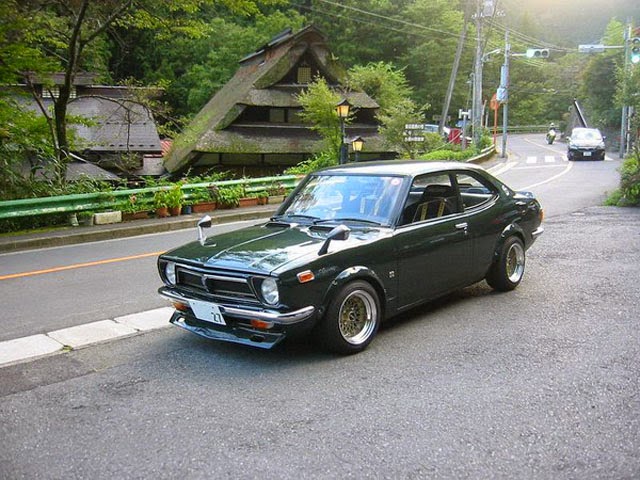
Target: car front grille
[222,286]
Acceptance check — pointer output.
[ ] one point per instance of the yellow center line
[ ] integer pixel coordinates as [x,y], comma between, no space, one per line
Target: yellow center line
[78,265]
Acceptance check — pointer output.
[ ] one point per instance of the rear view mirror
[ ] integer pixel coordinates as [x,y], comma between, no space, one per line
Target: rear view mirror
[204,222]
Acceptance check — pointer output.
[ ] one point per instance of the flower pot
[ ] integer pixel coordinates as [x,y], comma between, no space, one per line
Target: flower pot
[275,199]
[162,212]
[248,202]
[262,200]
[127,216]
[175,211]
[187,209]
[203,207]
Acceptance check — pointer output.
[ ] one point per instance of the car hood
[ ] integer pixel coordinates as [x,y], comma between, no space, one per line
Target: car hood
[264,248]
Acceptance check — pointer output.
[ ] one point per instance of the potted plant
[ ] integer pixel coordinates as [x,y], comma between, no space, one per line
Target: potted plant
[133,209]
[262,197]
[175,197]
[160,203]
[229,196]
[204,199]
[276,193]
[85,217]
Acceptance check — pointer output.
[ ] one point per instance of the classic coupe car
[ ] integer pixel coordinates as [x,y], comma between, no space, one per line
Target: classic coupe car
[352,246]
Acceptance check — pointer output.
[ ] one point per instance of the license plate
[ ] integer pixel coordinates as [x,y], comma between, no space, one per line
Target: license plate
[207,312]
[587,154]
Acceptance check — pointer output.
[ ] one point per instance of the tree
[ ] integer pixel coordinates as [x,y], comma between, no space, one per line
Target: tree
[71,35]
[318,103]
[389,87]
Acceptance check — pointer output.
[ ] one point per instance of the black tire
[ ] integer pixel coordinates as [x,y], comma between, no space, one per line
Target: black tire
[507,271]
[352,319]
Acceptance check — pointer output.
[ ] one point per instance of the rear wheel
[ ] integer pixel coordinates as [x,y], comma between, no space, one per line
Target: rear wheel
[352,319]
[507,271]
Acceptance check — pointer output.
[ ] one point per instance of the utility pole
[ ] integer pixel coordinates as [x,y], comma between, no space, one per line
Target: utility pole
[477,76]
[452,78]
[625,108]
[504,85]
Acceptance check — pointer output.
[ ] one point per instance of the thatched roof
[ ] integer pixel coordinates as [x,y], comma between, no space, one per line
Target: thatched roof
[258,82]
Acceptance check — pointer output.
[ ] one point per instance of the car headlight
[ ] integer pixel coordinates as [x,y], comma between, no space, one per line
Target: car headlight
[170,272]
[269,289]
[601,145]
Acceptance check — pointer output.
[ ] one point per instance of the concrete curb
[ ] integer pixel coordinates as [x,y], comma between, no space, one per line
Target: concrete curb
[29,348]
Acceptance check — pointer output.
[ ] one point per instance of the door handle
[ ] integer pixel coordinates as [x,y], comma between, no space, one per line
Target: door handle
[462,226]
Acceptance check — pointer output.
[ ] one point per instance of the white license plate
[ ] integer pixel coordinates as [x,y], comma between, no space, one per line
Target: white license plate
[208,312]
[587,154]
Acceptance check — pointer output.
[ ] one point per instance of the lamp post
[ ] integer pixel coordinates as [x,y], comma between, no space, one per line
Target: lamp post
[357,144]
[343,112]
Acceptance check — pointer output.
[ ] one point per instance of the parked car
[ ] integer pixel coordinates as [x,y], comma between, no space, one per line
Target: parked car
[353,245]
[586,143]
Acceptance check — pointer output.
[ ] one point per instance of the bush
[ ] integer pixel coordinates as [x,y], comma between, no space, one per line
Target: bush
[630,181]
[321,160]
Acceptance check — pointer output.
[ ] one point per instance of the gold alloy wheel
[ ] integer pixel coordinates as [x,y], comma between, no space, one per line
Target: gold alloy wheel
[358,316]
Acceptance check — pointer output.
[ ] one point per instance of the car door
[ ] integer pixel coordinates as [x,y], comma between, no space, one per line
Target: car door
[433,250]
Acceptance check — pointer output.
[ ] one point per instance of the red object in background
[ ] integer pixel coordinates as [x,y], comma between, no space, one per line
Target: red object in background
[455,135]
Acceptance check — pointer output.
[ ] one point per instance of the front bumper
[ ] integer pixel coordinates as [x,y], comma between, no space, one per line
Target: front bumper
[586,153]
[238,328]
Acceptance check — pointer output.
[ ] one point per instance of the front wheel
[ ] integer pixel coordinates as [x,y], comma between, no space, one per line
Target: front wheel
[352,319]
[507,271]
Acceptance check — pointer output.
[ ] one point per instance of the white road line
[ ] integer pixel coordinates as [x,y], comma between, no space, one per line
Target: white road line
[549,159]
[35,346]
[501,168]
[550,179]
[531,160]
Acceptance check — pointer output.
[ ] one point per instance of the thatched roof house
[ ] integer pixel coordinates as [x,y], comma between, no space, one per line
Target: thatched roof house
[253,121]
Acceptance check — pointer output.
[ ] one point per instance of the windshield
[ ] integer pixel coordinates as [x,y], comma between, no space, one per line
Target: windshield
[346,198]
[590,135]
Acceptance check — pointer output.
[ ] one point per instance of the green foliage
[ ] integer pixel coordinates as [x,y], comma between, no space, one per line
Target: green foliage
[389,87]
[630,180]
[318,103]
[229,196]
[321,160]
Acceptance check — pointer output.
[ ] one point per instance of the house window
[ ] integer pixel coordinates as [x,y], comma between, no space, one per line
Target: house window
[304,75]
[276,115]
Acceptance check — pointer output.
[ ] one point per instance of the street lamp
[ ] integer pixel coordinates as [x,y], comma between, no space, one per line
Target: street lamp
[357,144]
[342,109]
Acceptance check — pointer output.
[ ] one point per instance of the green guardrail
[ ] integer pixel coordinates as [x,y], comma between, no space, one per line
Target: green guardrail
[112,199]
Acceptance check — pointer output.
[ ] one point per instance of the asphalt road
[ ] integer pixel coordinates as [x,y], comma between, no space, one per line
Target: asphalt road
[537,383]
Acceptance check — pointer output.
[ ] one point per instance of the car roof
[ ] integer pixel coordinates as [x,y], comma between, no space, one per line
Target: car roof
[402,168]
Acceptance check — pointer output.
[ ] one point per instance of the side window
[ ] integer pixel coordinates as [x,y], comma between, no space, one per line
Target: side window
[431,196]
[474,190]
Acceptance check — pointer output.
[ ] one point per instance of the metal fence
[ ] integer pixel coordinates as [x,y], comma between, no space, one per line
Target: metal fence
[102,201]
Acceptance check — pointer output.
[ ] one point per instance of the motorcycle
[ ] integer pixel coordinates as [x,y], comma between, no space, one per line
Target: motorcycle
[551,136]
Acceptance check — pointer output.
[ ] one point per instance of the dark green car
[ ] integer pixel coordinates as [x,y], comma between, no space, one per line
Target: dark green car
[351,246]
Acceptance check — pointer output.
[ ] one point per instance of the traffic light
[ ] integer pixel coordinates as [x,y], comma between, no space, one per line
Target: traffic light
[537,53]
[635,50]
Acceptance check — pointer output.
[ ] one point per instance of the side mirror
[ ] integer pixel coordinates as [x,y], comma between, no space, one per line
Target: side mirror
[604,137]
[341,232]
[204,222]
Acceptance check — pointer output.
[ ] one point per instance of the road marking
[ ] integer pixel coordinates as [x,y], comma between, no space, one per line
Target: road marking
[531,160]
[501,168]
[565,171]
[79,265]
[549,159]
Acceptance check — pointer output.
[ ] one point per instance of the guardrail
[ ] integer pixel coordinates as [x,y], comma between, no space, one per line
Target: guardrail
[112,199]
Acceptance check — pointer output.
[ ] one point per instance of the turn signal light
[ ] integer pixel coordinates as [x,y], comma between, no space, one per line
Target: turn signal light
[306,276]
[182,307]
[261,324]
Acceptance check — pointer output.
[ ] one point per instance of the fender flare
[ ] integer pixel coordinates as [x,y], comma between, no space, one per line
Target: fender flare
[358,272]
[510,230]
